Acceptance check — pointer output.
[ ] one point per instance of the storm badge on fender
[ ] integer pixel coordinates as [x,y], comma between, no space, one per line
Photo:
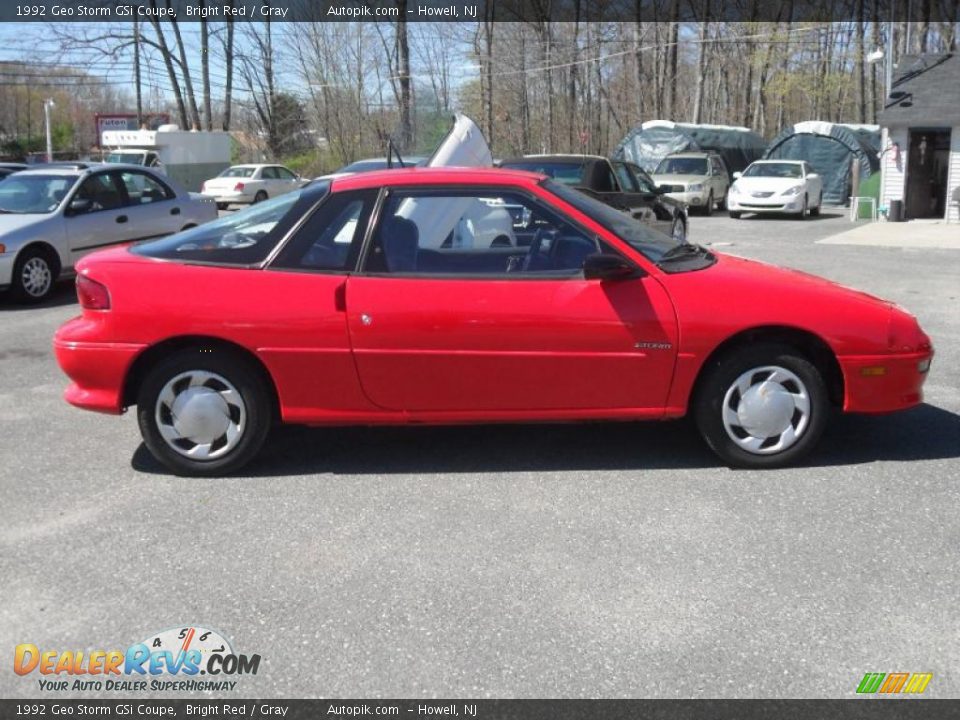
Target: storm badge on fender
[652,346]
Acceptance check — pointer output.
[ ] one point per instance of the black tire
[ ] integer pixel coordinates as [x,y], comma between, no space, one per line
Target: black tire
[235,369]
[720,377]
[803,212]
[26,285]
[678,221]
[735,214]
[815,211]
[222,206]
[260,196]
[708,208]
[722,205]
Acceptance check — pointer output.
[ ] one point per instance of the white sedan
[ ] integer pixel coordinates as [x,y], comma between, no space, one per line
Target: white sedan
[248,184]
[776,186]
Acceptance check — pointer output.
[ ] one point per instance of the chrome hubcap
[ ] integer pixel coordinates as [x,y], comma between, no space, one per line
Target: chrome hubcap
[766,410]
[200,415]
[36,276]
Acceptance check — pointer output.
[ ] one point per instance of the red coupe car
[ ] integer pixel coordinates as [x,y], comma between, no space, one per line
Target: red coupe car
[469,296]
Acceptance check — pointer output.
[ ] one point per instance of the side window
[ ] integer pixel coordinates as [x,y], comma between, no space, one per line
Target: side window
[285,174]
[142,189]
[627,181]
[330,239]
[644,181]
[718,168]
[476,233]
[269,173]
[102,192]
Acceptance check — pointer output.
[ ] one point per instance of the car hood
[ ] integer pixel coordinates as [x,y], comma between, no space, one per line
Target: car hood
[11,222]
[767,184]
[679,178]
[735,294]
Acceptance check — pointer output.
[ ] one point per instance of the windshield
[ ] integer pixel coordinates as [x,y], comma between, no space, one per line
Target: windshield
[654,245]
[131,158]
[34,194]
[569,173]
[243,238]
[682,166]
[244,172]
[774,170]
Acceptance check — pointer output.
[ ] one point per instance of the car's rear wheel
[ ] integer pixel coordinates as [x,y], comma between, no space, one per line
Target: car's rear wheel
[260,196]
[34,274]
[204,412]
[761,406]
[222,206]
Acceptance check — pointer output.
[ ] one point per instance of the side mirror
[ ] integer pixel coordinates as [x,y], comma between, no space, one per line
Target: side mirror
[662,189]
[79,206]
[605,266]
[737,175]
[812,175]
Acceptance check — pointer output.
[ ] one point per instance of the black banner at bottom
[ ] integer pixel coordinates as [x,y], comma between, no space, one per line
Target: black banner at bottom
[874,707]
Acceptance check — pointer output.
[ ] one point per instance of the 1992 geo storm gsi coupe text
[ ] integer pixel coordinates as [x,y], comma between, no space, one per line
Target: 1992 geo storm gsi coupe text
[467,296]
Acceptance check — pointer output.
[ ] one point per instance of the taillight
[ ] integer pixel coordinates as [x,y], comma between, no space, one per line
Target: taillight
[92,295]
[238,187]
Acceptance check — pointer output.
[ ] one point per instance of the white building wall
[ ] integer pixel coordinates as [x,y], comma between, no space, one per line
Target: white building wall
[893,167]
[953,174]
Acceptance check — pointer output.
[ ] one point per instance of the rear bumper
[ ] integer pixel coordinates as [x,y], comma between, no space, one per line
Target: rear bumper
[878,384]
[229,197]
[98,370]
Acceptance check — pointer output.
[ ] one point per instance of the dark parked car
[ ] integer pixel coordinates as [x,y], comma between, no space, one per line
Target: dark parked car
[10,168]
[622,185]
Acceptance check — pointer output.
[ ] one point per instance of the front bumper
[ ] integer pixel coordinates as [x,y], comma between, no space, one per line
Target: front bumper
[877,384]
[6,269]
[98,370]
[775,204]
[693,199]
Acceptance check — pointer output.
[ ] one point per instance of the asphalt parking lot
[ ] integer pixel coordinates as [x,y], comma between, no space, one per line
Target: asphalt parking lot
[605,560]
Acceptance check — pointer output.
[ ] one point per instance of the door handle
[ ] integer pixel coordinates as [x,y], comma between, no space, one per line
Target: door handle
[175,211]
[121,218]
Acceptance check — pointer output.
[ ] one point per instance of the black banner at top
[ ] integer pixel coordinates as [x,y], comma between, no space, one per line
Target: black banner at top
[530,11]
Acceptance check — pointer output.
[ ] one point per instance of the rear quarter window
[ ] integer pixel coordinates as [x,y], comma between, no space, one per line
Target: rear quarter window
[243,238]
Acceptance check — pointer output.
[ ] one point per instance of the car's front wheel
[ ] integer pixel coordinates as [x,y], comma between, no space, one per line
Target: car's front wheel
[761,406]
[204,411]
[735,214]
[34,274]
[708,208]
[679,230]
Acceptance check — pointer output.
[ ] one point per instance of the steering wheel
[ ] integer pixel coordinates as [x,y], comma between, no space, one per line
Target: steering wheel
[535,244]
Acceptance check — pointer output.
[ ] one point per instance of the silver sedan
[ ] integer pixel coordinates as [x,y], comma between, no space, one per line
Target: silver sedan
[52,216]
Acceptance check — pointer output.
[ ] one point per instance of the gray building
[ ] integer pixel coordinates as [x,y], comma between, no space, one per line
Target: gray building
[920,161]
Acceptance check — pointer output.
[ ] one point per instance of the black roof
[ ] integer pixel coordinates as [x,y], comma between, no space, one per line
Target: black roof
[926,92]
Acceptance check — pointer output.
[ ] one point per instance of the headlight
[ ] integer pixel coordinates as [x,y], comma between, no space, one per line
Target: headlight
[734,190]
[697,187]
[792,191]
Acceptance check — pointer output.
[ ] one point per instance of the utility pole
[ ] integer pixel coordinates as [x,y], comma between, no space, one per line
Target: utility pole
[47,104]
[136,70]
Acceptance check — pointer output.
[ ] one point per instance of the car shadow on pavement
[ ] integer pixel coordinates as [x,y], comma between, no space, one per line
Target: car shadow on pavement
[824,215]
[63,293]
[924,433]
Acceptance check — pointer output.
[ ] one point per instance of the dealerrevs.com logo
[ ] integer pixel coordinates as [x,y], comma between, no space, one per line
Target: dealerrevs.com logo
[169,660]
[894,683]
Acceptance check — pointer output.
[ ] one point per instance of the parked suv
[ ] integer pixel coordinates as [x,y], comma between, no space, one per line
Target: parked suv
[698,179]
